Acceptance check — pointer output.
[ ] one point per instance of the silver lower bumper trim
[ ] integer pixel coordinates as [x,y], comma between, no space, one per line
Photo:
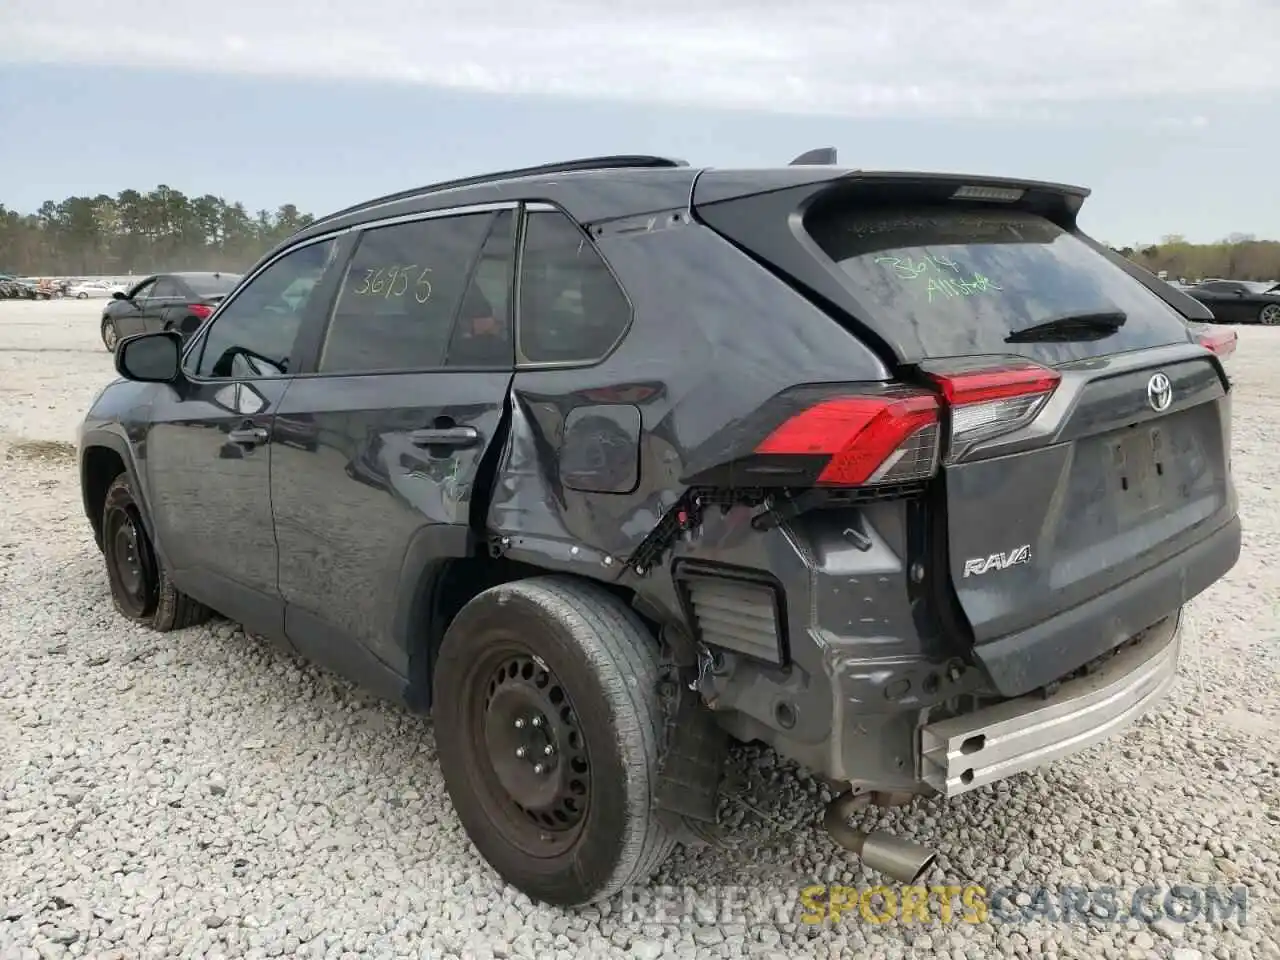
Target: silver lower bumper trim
[963,753]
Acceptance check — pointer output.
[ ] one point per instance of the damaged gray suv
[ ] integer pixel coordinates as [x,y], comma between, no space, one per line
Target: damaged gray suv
[610,463]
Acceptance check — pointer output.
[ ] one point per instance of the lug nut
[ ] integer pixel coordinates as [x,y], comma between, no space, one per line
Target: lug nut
[519,723]
[520,752]
[548,750]
[536,721]
[537,768]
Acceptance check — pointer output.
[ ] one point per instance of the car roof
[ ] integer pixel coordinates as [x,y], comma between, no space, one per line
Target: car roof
[596,189]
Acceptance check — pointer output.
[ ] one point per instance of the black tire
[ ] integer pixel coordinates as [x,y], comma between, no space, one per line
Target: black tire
[82,295]
[1269,315]
[109,336]
[534,638]
[140,588]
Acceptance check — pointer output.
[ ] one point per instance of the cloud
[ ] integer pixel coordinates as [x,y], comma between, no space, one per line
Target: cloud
[841,57]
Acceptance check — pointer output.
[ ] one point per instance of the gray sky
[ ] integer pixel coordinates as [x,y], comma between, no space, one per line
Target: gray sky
[1201,84]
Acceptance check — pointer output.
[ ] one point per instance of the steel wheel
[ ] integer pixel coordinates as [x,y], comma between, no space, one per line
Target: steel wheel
[131,566]
[536,774]
[548,729]
[1270,315]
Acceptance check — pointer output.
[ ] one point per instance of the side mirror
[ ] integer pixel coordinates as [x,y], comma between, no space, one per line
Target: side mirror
[119,295]
[150,357]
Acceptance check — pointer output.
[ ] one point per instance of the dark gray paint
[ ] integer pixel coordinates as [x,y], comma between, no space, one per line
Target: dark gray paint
[875,631]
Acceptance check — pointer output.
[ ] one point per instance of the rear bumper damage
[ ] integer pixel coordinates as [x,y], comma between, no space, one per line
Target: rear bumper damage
[865,701]
[969,751]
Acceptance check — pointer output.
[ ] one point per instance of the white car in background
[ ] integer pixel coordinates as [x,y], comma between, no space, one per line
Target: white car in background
[84,289]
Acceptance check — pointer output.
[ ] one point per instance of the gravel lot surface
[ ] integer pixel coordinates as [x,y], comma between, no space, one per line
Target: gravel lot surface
[198,794]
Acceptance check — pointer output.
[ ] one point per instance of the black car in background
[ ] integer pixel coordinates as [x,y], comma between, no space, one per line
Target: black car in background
[164,301]
[1233,301]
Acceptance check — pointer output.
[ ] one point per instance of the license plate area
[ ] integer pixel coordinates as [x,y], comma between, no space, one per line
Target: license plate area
[1140,472]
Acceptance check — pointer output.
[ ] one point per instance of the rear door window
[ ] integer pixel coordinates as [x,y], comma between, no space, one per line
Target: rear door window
[166,287]
[965,280]
[402,293]
[213,284]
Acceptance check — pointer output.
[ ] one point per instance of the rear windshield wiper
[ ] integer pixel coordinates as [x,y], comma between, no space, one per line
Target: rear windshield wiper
[1072,327]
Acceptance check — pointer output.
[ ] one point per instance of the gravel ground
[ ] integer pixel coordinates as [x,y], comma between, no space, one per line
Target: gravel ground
[200,794]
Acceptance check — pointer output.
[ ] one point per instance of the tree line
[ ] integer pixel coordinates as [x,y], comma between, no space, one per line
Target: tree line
[164,229]
[1238,257]
[140,233]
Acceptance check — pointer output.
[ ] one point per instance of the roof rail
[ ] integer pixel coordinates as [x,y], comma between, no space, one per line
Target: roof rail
[815,157]
[618,162]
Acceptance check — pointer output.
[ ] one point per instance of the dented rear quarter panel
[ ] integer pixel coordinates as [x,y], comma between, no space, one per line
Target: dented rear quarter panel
[713,336]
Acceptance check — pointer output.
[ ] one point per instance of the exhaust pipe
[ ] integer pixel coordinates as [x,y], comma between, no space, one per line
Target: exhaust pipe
[896,858]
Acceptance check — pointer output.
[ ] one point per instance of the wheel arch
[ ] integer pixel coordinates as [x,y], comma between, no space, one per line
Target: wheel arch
[104,456]
[435,594]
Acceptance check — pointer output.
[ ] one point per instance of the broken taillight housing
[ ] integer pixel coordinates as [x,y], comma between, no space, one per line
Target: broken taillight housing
[896,436]
[1221,342]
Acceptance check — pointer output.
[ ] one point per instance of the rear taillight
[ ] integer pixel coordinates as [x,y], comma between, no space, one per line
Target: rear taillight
[867,439]
[896,436]
[200,310]
[1221,342]
[991,400]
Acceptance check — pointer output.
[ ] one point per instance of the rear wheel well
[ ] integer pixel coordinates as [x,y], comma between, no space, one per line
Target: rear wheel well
[448,587]
[100,467]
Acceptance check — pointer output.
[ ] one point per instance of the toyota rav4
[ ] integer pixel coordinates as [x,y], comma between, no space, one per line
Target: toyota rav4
[609,463]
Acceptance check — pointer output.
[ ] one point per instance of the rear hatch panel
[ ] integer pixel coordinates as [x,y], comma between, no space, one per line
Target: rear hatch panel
[1064,534]
[1101,488]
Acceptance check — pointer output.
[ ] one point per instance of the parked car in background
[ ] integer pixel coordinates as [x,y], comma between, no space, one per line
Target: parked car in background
[1237,301]
[16,288]
[86,289]
[164,301]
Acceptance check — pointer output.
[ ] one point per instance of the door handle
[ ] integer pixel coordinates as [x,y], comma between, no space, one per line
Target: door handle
[445,437]
[249,436]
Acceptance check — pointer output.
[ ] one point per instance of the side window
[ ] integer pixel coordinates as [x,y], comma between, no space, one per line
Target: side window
[402,292]
[254,334]
[144,290]
[165,288]
[571,308]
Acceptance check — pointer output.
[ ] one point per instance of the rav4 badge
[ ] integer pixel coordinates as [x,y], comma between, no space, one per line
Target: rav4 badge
[997,561]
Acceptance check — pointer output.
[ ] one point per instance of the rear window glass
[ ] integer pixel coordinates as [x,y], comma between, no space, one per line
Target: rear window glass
[211,285]
[964,280]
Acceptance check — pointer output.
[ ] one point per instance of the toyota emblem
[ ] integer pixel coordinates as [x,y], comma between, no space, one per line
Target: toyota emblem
[1159,393]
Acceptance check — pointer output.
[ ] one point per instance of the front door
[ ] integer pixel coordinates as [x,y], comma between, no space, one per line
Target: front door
[164,296]
[208,448]
[129,315]
[372,475]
